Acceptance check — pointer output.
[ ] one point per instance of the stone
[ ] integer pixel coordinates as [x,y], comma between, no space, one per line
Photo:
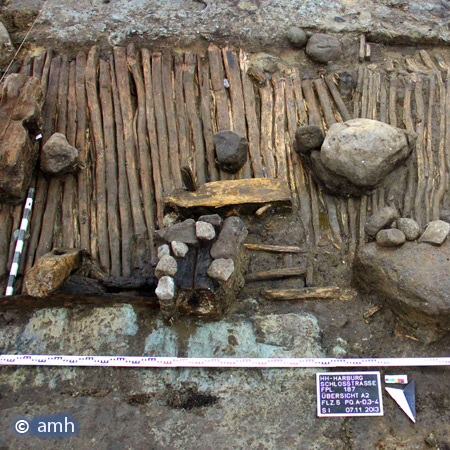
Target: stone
[7,49]
[380,219]
[204,231]
[221,269]
[413,278]
[297,37]
[183,232]
[231,151]
[436,232]
[264,63]
[51,271]
[163,250]
[323,48]
[20,119]
[58,157]
[307,138]
[390,238]
[410,228]
[230,238]
[167,265]
[166,288]
[364,151]
[179,249]
[214,219]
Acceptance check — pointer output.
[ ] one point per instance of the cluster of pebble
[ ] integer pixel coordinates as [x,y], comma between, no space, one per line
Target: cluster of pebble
[223,237]
[389,230]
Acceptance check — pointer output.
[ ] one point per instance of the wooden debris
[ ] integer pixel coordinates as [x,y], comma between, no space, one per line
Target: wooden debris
[188,179]
[275,274]
[368,53]
[362,48]
[430,187]
[276,248]
[266,130]
[329,292]
[393,100]
[338,99]
[279,127]
[325,102]
[312,107]
[372,311]
[218,194]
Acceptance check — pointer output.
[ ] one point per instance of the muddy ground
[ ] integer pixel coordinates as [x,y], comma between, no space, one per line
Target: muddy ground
[222,409]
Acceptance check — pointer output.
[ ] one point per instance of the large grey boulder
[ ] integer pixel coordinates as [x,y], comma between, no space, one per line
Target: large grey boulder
[323,48]
[364,151]
[414,279]
[58,157]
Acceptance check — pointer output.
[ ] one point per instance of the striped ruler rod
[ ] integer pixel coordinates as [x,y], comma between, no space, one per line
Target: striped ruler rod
[19,242]
[166,362]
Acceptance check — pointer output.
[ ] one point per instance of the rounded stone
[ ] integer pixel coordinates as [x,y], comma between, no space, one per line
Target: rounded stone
[410,228]
[163,250]
[308,138]
[167,266]
[323,48]
[390,238]
[179,249]
[231,151]
[379,220]
[297,37]
[204,231]
[221,269]
[166,288]
[58,157]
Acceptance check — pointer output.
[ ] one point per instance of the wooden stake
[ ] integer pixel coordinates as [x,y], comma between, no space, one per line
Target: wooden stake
[275,274]
[329,292]
[279,126]
[266,130]
[338,99]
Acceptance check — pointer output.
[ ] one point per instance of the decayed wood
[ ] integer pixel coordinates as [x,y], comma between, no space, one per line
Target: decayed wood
[301,106]
[168,90]
[362,220]
[126,223]
[152,135]
[99,151]
[324,101]
[333,219]
[393,100]
[145,164]
[50,105]
[38,65]
[442,173]
[81,144]
[217,194]
[220,94]
[252,120]
[25,302]
[353,221]
[46,71]
[368,78]
[275,248]
[314,209]
[338,99]
[5,234]
[362,48]
[16,215]
[206,110]
[183,136]
[430,188]
[447,122]
[233,73]
[413,65]
[279,126]
[161,127]
[266,130]
[343,216]
[383,103]
[329,292]
[63,88]
[188,179]
[275,274]
[357,94]
[140,230]
[407,120]
[313,109]
[193,116]
[426,58]
[111,167]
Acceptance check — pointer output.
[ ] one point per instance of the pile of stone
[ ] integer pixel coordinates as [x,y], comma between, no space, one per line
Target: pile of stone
[389,230]
[355,156]
[200,265]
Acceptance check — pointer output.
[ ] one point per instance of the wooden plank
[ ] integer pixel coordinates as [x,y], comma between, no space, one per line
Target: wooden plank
[5,234]
[383,99]
[143,151]
[279,126]
[362,48]
[191,96]
[58,300]
[338,99]
[252,120]
[206,112]
[27,67]
[161,126]
[447,125]
[126,223]
[46,71]
[99,155]
[325,102]
[152,136]
[81,144]
[367,80]
[168,91]
[393,100]
[430,188]
[50,105]
[330,203]
[63,87]
[111,167]
[266,130]
[357,94]
[275,274]
[301,105]
[276,248]
[233,73]
[16,216]
[141,255]
[312,106]
[362,220]
[328,292]
[353,228]
[38,65]
[217,194]
[315,213]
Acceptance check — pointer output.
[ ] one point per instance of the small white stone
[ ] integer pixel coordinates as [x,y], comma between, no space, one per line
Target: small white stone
[221,269]
[163,250]
[204,231]
[179,249]
[166,288]
[167,266]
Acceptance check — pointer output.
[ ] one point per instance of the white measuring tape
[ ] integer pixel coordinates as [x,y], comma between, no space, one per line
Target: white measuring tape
[165,362]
